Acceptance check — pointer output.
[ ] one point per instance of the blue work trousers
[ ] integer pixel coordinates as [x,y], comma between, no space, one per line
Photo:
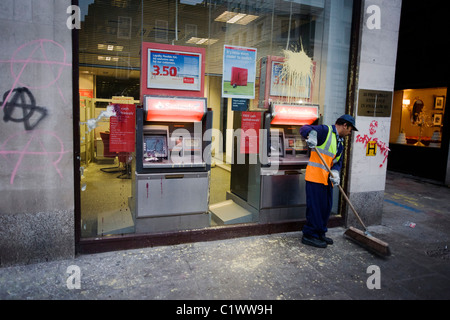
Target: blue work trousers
[319,201]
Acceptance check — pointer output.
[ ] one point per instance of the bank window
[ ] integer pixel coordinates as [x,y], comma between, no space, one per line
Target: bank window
[110,42]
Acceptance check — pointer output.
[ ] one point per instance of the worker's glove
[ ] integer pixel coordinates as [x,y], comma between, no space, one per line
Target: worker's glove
[312,139]
[334,177]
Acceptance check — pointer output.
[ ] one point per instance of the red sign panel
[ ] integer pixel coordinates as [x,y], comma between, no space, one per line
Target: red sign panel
[250,125]
[174,109]
[294,114]
[122,128]
[172,70]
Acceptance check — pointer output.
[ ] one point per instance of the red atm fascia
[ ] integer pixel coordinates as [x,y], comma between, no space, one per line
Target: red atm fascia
[294,114]
[168,109]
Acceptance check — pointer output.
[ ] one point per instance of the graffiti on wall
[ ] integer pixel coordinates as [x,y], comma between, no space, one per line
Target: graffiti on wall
[35,65]
[373,144]
[22,99]
[37,144]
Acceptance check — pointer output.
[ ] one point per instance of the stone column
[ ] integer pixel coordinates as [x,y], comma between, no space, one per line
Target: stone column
[36,134]
[374,85]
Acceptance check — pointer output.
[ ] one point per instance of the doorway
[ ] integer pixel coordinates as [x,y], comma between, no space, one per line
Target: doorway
[105,175]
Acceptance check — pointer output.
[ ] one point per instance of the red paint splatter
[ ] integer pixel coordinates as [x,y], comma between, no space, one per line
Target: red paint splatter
[383,147]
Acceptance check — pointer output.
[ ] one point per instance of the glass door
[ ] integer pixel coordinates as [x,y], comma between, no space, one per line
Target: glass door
[105,175]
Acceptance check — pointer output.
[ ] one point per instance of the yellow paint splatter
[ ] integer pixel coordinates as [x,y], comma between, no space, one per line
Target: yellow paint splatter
[297,72]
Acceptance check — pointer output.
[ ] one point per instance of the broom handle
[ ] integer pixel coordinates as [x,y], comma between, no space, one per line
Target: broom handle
[340,188]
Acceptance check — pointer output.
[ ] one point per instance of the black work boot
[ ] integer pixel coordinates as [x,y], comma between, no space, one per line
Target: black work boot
[326,239]
[311,241]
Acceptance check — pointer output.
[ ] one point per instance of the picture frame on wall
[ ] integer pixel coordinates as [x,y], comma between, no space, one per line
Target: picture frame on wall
[437,119]
[439,102]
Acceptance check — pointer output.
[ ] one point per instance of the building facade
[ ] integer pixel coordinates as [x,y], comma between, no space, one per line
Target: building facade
[65,63]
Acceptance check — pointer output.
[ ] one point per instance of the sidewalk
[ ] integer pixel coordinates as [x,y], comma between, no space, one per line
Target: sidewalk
[273,267]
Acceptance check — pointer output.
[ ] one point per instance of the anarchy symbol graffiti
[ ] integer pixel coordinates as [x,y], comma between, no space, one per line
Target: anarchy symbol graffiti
[22,98]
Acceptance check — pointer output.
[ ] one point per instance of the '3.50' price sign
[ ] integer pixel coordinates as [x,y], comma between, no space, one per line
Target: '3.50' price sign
[164,71]
[174,70]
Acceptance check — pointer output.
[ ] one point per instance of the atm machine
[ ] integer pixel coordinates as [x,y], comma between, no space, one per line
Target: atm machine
[172,164]
[273,188]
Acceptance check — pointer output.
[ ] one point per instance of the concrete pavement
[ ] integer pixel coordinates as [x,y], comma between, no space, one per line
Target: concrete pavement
[416,224]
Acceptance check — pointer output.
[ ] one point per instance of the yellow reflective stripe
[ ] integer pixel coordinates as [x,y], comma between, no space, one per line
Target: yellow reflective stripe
[330,144]
[326,153]
[326,143]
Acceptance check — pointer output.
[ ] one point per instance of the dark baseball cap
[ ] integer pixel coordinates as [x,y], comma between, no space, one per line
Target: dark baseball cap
[348,118]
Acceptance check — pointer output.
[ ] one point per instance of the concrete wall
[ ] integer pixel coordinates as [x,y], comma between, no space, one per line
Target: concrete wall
[377,61]
[36,134]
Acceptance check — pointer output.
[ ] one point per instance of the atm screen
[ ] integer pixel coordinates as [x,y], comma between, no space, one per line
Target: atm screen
[276,146]
[155,146]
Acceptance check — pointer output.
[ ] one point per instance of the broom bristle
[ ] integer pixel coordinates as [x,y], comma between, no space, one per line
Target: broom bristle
[373,244]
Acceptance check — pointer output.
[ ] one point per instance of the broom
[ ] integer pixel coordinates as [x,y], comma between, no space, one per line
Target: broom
[365,239]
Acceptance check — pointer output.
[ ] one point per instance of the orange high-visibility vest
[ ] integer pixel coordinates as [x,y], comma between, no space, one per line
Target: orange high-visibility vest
[316,171]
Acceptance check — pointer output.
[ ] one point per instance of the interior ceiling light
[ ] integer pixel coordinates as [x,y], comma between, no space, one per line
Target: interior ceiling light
[109,47]
[203,41]
[247,19]
[193,40]
[234,17]
[107,58]
[120,3]
[224,17]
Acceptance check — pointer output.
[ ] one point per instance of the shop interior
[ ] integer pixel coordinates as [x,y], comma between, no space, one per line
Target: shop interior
[417,117]
[417,130]
[110,59]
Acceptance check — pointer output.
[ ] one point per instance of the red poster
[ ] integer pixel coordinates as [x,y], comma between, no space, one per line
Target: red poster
[250,125]
[122,128]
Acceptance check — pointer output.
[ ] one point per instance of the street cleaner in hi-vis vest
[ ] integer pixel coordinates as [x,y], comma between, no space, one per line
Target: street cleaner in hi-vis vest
[319,190]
